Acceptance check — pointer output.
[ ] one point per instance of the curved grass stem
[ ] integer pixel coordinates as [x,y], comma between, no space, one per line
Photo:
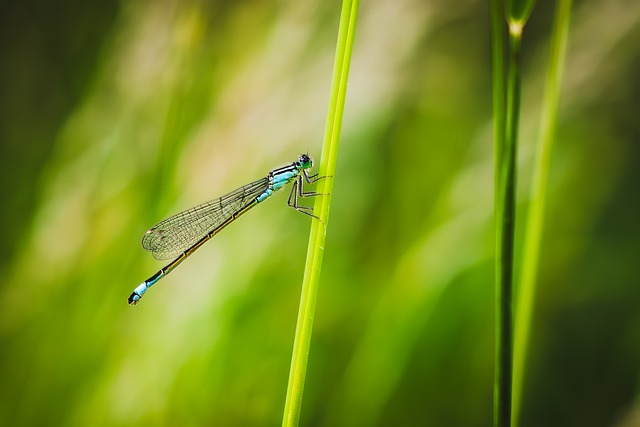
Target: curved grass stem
[315,250]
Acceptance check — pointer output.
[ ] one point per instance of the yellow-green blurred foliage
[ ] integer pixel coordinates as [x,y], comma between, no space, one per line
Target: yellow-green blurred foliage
[115,115]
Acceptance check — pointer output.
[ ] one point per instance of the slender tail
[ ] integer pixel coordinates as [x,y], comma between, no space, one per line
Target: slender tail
[138,292]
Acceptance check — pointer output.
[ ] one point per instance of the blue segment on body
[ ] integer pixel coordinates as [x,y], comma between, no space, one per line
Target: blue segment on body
[277,182]
[264,195]
[282,179]
[142,288]
[153,280]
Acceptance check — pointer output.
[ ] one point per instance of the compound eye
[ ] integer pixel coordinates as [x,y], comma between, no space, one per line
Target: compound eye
[305,161]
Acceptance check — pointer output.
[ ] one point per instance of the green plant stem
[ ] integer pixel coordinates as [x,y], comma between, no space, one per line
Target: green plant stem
[317,237]
[535,215]
[505,236]
[497,74]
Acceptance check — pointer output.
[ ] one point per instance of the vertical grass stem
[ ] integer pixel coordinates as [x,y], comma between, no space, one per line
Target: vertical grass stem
[505,234]
[535,215]
[304,326]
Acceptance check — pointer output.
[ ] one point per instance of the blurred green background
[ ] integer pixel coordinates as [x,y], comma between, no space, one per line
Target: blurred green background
[114,115]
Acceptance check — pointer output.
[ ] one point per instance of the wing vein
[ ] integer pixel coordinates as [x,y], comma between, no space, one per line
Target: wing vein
[176,234]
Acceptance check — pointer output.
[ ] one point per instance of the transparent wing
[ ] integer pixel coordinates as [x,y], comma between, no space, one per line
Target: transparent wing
[174,235]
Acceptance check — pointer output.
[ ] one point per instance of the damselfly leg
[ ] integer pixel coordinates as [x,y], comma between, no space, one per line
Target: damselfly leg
[297,190]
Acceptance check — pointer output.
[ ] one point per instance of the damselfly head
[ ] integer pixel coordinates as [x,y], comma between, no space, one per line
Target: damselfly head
[305,161]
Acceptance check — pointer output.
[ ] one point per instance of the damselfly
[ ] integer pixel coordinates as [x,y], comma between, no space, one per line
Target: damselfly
[182,234]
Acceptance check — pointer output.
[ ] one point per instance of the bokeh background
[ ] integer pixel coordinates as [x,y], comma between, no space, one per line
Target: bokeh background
[114,115]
